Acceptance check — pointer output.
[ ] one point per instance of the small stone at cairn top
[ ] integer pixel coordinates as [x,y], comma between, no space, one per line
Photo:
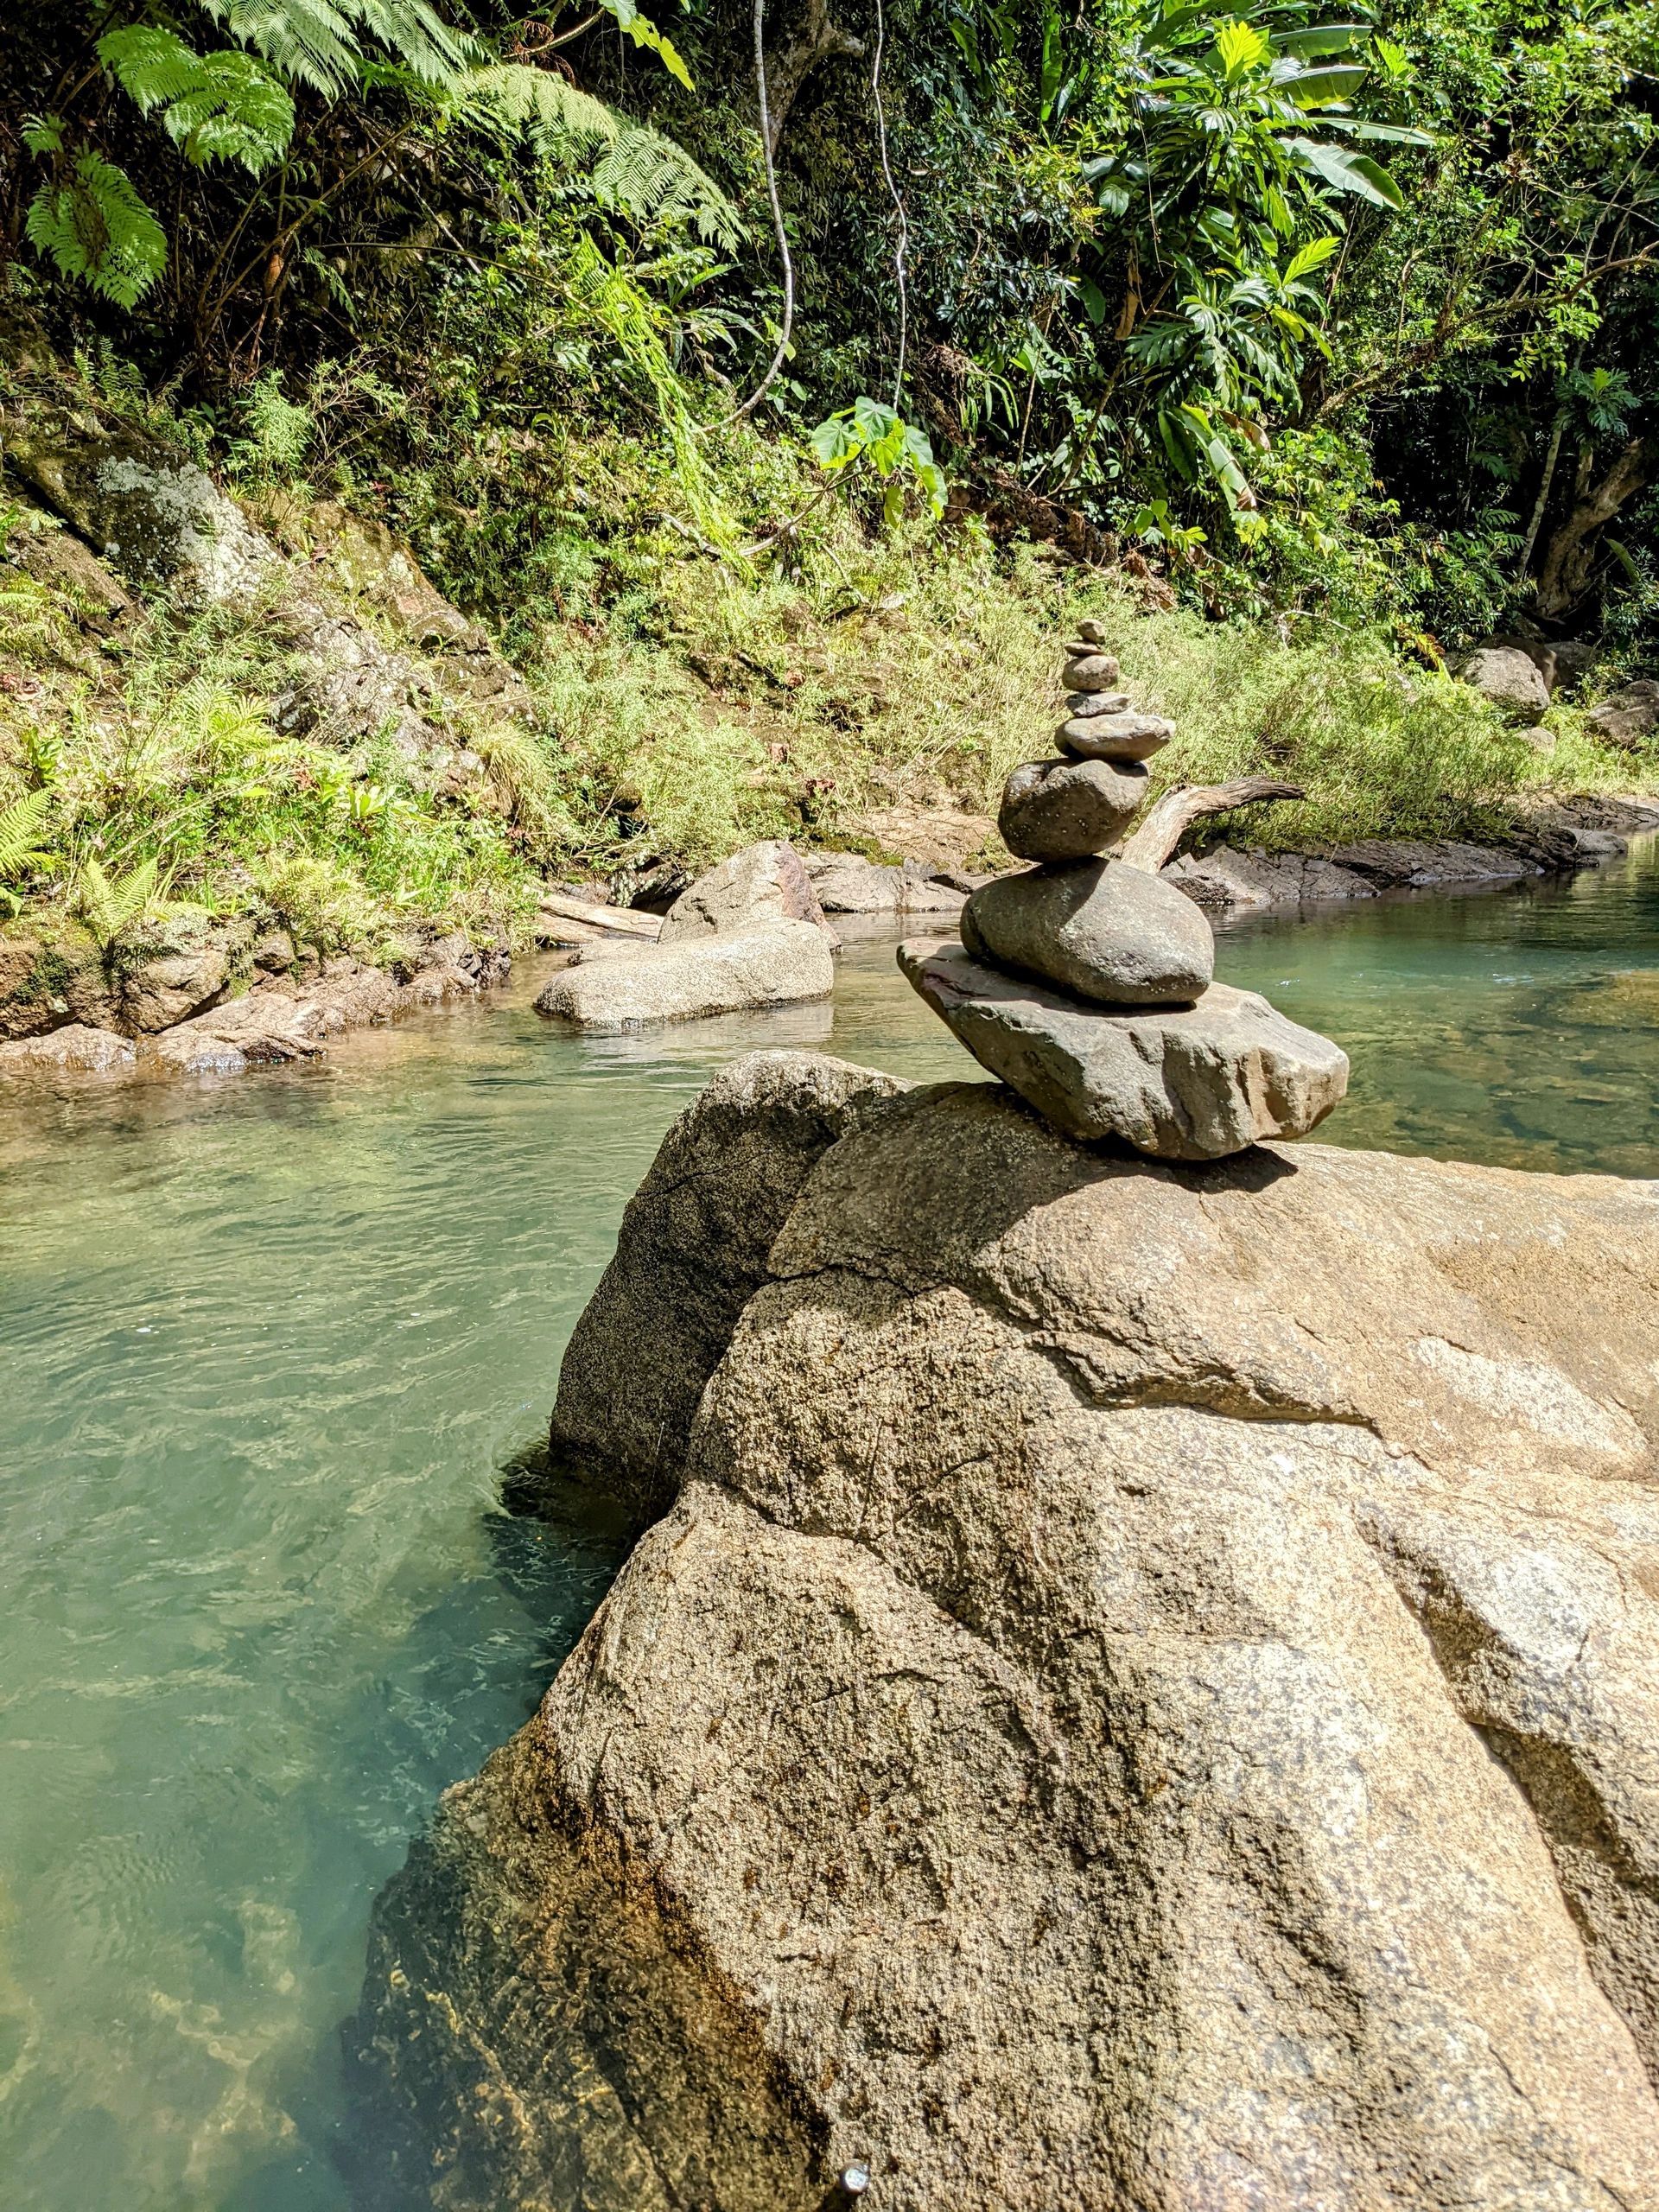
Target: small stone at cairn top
[1115,737]
[1068,810]
[1087,983]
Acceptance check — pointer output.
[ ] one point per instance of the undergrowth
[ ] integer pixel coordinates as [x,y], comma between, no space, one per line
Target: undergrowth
[686,702]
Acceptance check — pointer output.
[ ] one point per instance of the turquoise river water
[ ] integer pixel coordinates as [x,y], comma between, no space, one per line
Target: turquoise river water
[267,1348]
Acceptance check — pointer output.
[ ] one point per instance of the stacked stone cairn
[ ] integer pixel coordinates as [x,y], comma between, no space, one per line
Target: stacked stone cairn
[1087,983]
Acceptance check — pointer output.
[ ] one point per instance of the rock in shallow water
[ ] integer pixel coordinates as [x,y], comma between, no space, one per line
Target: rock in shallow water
[1145,1698]
[1067,810]
[1097,927]
[75,1047]
[762,884]
[780,965]
[1188,1083]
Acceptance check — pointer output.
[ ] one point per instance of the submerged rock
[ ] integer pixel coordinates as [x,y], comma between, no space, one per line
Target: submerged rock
[1182,1082]
[1144,1697]
[628,986]
[761,884]
[1067,810]
[1099,927]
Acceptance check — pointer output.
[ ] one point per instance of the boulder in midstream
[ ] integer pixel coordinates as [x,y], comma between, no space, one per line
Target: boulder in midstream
[1144,1697]
[1091,672]
[1098,927]
[1180,1083]
[1115,737]
[1067,810]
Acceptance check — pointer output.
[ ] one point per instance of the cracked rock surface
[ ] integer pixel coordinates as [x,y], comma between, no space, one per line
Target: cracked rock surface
[1144,1695]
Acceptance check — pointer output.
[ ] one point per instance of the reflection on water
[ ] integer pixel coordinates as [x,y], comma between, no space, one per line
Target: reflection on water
[1520,1028]
[267,1347]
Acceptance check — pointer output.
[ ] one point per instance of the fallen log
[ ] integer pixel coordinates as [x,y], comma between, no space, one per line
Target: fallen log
[1168,819]
[611,921]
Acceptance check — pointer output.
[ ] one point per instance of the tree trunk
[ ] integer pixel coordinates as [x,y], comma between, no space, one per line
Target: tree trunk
[815,39]
[1570,557]
[1168,819]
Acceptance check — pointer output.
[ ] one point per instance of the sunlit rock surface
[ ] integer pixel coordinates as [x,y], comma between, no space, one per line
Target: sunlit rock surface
[1144,1697]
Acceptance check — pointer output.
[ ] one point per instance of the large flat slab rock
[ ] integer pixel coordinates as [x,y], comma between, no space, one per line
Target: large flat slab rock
[1144,1697]
[1182,1082]
[781,964]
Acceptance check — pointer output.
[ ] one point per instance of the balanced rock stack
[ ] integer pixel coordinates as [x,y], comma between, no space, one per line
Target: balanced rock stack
[1086,982]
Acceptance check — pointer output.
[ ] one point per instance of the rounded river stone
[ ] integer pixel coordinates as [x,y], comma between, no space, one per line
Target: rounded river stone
[1090,672]
[1092,631]
[1067,810]
[1115,737]
[1107,931]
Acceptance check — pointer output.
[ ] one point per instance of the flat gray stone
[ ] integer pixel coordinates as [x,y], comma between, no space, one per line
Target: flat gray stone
[1097,703]
[1067,810]
[1194,1083]
[1091,672]
[1098,927]
[630,987]
[1115,737]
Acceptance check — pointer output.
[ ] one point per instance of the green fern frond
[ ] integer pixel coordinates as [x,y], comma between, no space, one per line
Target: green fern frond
[93,224]
[20,825]
[327,44]
[226,106]
[110,906]
[637,171]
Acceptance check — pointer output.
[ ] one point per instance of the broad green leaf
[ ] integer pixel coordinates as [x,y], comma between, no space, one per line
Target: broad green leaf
[1345,172]
[1322,38]
[1314,86]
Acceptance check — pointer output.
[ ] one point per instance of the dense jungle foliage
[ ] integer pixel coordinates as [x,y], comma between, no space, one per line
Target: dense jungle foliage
[1323,334]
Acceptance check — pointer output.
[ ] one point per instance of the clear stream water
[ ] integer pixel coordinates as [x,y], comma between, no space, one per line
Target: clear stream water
[266,1350]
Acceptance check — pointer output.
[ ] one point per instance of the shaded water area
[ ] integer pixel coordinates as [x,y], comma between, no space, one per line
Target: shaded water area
[268,1349]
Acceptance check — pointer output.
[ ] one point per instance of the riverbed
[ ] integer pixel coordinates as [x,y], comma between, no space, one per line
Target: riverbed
[270,1346]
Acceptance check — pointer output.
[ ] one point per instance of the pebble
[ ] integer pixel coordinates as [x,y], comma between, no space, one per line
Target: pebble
[1067,810]
[1092,630]
[1116,737]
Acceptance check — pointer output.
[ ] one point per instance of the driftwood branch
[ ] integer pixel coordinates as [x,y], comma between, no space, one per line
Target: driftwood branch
[1167,821]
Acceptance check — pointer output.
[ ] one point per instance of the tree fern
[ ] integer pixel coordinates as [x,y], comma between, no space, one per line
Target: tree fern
[89,219]
[226,106]
[20,825]
[638,170]
[323,43]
